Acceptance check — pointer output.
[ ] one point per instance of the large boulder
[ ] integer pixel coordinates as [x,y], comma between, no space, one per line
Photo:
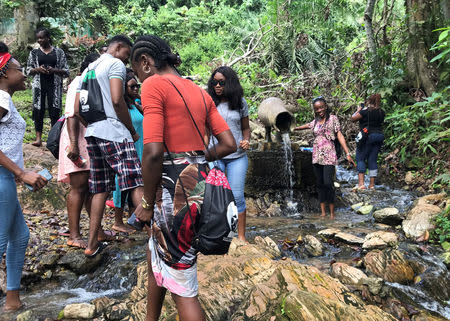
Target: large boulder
[79,311]
[388,215]
[390,265]
[347,274]
[420,219]
[248,284]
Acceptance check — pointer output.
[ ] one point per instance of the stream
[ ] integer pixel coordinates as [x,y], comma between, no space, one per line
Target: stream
[117,274]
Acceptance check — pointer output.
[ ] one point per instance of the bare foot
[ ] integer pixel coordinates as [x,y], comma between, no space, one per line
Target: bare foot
[12,308]
[12,302]
[123,228]
[80,243]
[106,236]
[37,143]
[332,217]
[322,215]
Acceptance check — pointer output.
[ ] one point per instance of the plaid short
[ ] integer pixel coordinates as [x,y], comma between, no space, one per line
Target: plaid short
[110,158]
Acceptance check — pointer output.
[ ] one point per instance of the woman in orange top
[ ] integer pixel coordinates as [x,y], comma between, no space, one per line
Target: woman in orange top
[168,127]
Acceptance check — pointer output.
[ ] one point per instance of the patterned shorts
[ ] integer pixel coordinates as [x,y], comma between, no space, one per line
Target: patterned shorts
[110,158]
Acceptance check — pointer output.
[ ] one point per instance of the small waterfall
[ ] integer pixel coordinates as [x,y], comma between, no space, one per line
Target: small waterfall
[291,205]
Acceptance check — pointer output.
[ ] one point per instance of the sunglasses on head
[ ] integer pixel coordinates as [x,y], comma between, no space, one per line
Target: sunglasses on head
[137,86]
[320,98]
[220,82]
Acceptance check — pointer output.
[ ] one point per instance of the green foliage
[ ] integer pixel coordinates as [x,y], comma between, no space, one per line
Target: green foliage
[441,232]
[422,128]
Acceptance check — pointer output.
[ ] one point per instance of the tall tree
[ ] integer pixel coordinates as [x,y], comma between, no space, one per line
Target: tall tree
[26,17]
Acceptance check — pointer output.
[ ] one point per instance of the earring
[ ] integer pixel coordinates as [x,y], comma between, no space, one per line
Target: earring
[146,69]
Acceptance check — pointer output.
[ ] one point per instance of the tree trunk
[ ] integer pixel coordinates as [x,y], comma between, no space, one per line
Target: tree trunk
[26,17]
[368,14]
[421,73]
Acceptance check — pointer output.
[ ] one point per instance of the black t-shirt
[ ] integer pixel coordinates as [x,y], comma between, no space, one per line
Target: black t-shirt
[372,120]
[47,60]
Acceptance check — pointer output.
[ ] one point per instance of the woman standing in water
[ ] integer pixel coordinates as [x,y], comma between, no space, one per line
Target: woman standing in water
[326,130]
[48,66]
[227,93]
[14,233]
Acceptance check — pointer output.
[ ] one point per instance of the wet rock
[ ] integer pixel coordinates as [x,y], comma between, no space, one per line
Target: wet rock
[79,263]
[79,311]
[424,316]
[66,275]
[382,226]
[49,260]
[252,209]
[118,312]
[347,274]
[2,281]
[103,304]
[313,246]
[329,232]
[365,209]
[268,245]
[356,206]
[247,284]
[374,284]
[420,218]
[388,215]
[349,238]
[26,316]
[389,265]
[380,239]
[273,210]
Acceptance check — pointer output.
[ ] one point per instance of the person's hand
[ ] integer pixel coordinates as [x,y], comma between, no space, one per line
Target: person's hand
[41,70]
[51,70]
[73,152]
[244,144]
[350,159]
[135,137]
[33,179]
[142,214]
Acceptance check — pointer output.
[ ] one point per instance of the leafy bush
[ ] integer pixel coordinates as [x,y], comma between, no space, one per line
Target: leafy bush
[441,232]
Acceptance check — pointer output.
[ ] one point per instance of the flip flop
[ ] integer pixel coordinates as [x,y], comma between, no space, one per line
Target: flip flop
[64,233]
[79,243]
[358,188]
[110,203]
[109,236]
[93,253]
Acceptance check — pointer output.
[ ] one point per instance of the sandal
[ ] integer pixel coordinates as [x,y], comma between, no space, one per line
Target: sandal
[358,188]
[79,243]
[108,236]
[93,253]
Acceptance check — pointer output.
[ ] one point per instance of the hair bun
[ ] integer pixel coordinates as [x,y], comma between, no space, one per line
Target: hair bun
[174,59]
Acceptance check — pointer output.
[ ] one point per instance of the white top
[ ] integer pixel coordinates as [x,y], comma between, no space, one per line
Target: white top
[70,97]
[12,129]
[107,67]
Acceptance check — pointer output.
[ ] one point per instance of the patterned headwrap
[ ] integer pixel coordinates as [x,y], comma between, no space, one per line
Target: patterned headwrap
[5,58]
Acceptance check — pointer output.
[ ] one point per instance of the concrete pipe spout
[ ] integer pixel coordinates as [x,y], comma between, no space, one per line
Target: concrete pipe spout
[272,113]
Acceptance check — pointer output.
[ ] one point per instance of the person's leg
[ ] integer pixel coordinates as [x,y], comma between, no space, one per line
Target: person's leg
[375,142]
[318,171]
[39,118]
[79,189]
[189,309]
[155,294]
[360,164]
[118,214]
[10,208]
[15,256]
[236,172]
[95,220]
[53,113]
[328,174]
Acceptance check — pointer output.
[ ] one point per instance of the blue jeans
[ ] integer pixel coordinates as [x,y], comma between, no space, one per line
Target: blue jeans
[236,171]
[369,153]
[14,233]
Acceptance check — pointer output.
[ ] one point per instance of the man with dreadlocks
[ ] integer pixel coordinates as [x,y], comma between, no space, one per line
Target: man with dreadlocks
[110,141]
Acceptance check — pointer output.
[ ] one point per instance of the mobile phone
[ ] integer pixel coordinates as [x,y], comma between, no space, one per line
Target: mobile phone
[44,173]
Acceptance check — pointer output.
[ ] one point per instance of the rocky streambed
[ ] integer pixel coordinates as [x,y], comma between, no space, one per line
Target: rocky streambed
[372,263]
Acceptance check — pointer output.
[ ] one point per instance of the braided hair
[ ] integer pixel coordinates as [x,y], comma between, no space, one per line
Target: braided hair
[4,50]
[156,48]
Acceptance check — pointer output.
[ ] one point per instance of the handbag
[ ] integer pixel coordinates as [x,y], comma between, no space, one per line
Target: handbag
[363,134]
[54,136]
[217,222]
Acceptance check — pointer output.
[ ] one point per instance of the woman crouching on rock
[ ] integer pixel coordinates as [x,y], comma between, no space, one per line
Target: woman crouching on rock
[168,128]
[14,232]
[326,130]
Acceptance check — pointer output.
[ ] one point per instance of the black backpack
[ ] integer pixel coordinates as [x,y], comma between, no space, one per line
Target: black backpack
[54,135]
[91,99]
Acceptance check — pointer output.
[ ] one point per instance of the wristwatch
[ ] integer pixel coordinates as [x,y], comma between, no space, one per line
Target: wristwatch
[145,205]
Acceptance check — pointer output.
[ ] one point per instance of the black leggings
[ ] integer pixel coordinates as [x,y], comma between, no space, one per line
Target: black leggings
[325,185]
[47,94]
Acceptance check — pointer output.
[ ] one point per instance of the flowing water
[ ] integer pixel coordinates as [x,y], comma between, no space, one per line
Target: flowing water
[291,204]
[117,275]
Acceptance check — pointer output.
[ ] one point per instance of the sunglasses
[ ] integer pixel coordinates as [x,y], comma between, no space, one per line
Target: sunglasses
[135,86]
[215,82]
[320,98]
